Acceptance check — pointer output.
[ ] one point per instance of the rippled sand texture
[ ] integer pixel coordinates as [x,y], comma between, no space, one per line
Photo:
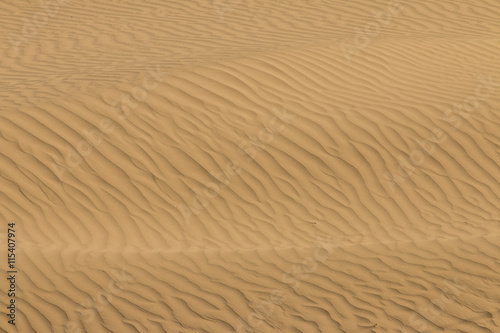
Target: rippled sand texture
[267,166]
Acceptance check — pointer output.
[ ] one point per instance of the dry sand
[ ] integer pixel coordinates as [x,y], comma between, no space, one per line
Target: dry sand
[251,166]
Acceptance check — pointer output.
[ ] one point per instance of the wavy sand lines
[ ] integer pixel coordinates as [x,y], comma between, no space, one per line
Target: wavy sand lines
[171,169]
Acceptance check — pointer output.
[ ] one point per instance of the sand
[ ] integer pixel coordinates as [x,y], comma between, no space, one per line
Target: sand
[251,166]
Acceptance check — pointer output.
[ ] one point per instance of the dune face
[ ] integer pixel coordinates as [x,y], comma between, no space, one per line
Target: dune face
[250,166]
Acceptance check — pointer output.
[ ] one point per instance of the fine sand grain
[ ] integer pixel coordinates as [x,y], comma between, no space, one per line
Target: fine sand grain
[251,166]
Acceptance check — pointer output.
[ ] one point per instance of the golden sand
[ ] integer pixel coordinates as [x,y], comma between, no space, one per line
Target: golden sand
[250,166]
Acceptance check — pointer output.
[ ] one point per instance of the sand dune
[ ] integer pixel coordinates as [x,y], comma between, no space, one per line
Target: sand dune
[250,166]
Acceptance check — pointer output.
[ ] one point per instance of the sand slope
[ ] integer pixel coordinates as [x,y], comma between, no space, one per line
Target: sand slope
[250,166]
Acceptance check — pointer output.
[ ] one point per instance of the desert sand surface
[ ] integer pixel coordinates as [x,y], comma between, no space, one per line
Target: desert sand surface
[250,166]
